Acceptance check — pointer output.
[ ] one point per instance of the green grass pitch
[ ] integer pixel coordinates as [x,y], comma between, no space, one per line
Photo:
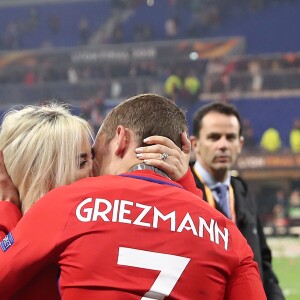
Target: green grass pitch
[288,271]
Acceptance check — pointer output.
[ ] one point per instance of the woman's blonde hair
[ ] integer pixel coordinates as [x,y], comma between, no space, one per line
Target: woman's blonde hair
[41,147]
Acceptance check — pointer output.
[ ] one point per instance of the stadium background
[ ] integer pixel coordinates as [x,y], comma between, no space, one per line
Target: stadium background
[92,54]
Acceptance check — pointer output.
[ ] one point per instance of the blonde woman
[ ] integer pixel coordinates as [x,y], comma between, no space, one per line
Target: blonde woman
[44,147]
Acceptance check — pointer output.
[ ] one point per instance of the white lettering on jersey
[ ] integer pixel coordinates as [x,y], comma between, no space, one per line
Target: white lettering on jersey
[121,211]
[209,229]
[87,212]
[101,213]
[187,220]
[157,214]
[138,220]
[224,236]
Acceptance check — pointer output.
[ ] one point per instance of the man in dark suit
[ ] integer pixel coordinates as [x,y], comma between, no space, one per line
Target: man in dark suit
[217,141]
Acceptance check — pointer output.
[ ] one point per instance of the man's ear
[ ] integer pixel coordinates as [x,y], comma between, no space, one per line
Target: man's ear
[123,138]
[242,140]
[193,140]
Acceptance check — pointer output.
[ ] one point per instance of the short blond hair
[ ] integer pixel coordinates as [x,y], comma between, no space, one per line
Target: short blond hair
[146,115]
[41,147]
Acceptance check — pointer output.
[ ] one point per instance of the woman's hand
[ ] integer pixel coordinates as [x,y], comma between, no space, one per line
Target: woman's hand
[165,155]
[8,191]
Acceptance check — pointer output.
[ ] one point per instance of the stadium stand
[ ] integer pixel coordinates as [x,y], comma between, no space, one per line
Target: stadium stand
[51,24]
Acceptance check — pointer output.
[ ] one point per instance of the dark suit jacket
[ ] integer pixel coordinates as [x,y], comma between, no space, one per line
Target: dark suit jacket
[248,222]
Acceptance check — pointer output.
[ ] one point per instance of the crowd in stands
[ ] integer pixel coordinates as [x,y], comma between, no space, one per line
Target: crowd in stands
[280,210]
[179,18]
[51,25]
[219,75]
[184,82]
[122,21]
[271,140]
[253,73]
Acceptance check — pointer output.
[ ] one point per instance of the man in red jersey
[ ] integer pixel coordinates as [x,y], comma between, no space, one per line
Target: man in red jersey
[134,234]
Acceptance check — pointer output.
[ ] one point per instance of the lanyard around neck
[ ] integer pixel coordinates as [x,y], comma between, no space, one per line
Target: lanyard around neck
[210,198]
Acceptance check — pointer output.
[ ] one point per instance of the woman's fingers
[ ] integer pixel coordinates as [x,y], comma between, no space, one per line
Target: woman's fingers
[165,155]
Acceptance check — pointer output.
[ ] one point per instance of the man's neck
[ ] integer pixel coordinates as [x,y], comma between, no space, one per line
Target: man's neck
[143,166]
[219,176]
[211,175]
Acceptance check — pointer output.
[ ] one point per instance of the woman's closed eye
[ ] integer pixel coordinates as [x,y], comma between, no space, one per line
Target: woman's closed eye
[83,164]
[83,160]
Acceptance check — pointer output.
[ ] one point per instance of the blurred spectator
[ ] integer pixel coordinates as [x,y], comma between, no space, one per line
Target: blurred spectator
[30,78]
[249,141]
[33,20]
[257,77]
[92,111]
[72,76]
[214,70]
[171,29]
[280,214]
[54,23]
[215,67]
[12,36]
[191,89]
[290,60]
[192,84]
[173,85]
[96,118]
[271,140]
[118,33]
[294,207]
[85,109]
[295,137]
[116,89]
[84,30]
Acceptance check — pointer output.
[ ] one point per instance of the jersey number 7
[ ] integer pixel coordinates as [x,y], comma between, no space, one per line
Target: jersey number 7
[170,266]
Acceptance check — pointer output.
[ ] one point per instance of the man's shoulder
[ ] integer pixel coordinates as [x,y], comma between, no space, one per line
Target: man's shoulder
[243,195]
[237,181]
[82,185]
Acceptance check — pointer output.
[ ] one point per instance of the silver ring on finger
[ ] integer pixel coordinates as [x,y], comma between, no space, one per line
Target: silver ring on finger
[164,156]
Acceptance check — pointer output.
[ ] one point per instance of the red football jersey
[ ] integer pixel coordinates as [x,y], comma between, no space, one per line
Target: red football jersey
[44,284]
[136,236]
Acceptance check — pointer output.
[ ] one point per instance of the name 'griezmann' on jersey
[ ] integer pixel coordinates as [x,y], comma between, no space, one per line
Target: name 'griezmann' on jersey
[91,210]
